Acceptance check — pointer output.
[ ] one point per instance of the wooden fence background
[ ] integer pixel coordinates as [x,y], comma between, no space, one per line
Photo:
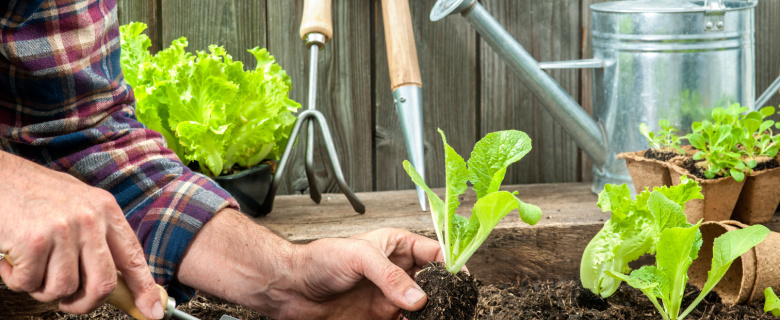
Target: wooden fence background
[467,89]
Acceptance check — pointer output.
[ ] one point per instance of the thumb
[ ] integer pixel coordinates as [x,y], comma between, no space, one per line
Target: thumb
[394,282]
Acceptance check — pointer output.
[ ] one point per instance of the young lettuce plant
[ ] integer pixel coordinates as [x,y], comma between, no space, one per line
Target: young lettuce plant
[717,144]
[756,138]
[677,248]
[771,302]
[665,138]
[632,230]
[460,237]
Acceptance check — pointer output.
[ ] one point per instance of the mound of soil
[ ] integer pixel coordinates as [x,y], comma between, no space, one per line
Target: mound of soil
[450,296]
[660,155]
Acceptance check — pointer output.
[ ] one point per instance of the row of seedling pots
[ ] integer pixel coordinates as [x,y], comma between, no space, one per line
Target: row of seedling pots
[733,156]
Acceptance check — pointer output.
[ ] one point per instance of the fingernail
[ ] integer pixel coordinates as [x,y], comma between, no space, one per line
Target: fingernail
[413,295]
[157,311]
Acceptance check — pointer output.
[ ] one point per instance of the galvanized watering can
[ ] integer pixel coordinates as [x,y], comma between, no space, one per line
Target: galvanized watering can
[660,59]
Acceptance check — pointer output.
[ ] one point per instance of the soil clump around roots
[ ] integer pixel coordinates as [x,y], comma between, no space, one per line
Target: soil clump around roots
[660,155]
[450,296]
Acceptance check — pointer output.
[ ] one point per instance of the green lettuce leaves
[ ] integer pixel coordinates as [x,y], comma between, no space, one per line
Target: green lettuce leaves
[633,230]
[459,236]
[772,303]
[205,105]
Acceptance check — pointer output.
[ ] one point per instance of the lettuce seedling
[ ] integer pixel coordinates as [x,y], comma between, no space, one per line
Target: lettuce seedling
[717,144]
[677,248]
[756,136]
[665,138]
[632,230]
[771,302]
[458,236]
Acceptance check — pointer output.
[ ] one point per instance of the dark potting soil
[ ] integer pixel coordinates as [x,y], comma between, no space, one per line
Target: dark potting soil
[660,155]
[765,165]
[450,296]
[522,299]
[690,165]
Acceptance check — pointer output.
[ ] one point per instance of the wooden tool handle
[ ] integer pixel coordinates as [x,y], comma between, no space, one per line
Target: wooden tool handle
[316,18]
[399,39]
[122,298]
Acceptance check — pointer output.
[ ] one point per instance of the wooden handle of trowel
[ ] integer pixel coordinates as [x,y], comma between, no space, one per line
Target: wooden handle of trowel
[122,298]
[399,39]
[316,18]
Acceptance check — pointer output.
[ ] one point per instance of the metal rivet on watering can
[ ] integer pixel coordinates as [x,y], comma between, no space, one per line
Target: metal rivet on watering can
[708,25]
[720,25]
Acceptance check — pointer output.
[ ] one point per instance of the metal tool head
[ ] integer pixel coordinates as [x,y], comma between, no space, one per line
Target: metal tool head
[408,104]
[443,8]
[227,317]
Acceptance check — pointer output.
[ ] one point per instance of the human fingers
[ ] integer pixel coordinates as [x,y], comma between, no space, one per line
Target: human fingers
[98,274]
[402,244]
[394,282]
[62,271]
[26,272]
[130,260]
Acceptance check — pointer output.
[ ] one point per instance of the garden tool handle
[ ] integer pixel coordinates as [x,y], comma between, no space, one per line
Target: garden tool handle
[316,19]
[121,297]
[399,40]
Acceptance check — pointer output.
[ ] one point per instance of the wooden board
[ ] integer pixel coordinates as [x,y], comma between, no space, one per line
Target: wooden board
[550,250]
[767,48]
[447,55]
[549,31]
[343,96]
[145,11]
[237,25]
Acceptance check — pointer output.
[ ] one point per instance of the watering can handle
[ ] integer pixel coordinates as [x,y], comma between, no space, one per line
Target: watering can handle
[714,5]
[316,19]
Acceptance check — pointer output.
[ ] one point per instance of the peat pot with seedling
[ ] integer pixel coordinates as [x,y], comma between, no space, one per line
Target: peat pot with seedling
[649,168]
[452,293]
[224,122]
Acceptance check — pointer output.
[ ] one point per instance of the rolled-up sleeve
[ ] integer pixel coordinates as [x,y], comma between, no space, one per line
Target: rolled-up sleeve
[65,104]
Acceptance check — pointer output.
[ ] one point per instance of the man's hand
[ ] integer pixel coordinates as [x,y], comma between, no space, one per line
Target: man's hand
[67,240]
[368,276]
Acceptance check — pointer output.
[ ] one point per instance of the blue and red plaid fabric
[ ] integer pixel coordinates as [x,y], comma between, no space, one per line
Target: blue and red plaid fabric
[64,103]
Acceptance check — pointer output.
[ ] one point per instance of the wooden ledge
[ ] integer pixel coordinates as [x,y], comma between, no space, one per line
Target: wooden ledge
[550,250]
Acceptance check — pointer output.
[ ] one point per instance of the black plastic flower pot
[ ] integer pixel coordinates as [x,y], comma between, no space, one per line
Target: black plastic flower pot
[250,188]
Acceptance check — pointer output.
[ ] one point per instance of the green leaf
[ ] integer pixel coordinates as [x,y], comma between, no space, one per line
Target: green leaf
[767,111]
[772,303]
[492,155]
[529,213]
[676,250]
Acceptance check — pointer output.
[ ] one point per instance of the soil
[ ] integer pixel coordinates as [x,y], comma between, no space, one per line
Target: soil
[521,299]
[698,171]
[764,165]
[660,154]
[450,296]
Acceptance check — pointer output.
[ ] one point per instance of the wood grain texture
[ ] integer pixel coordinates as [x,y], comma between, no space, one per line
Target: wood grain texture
[238,25]
[343,96]
[446,51]
[767,48]
[399,40]
[552,249]
[145,11]
[549,31]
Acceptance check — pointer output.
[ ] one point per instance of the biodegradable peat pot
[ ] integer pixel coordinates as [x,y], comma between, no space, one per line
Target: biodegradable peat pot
[736,286]
[759,198]
[645,172]
[720,195]
[749,275]
[250,188]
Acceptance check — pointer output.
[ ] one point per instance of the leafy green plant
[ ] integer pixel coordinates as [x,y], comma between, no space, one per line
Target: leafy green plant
[677,248]
[717,144]
[665,138]
[771,302]
[205,105]
[633,230]
[756,137]
[458,236]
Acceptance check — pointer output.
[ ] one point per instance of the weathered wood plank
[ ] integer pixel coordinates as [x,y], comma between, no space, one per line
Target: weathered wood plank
[237,25]
[344,93]
[550,250]
[145,11]
[767,47]
[549,31]
[446,51]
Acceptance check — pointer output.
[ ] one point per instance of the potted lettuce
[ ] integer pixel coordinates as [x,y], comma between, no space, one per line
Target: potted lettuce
[219,119]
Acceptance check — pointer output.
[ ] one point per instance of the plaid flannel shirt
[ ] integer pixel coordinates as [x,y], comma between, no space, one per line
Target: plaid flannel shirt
[64,103]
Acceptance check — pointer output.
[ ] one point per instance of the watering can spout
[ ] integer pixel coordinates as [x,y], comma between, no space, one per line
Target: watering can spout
[578,123]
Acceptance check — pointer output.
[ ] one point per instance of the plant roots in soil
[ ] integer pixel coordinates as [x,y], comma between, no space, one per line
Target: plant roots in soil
[660,155]
[450,296]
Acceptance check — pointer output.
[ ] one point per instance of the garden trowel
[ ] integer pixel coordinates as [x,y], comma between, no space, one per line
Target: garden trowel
[405,81]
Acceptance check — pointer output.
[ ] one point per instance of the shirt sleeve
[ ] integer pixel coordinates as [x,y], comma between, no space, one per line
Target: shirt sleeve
[64,103]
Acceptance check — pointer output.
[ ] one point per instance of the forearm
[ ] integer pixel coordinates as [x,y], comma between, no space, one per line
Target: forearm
[236,259]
